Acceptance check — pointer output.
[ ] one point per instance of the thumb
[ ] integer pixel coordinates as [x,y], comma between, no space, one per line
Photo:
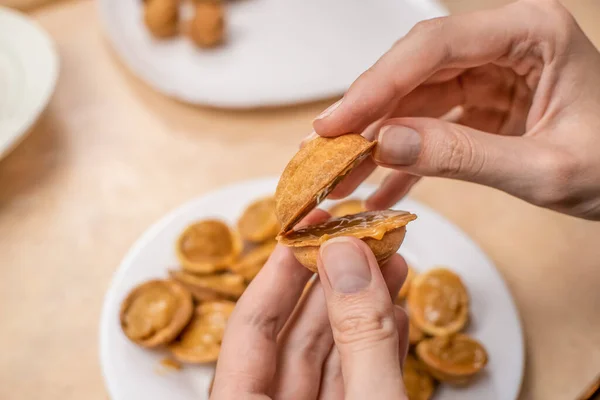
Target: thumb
[431,147]
[362,319]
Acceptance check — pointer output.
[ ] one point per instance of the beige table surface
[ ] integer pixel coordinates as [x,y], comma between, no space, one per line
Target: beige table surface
[110,156]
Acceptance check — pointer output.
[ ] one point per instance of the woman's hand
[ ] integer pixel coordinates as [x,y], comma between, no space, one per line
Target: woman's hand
[528,82]
[345,339]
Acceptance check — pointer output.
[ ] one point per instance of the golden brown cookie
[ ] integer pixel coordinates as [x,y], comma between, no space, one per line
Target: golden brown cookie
[347,207]
[259,223]
[417,381]
[313,173]
[454,359]
[161,17]
[155,312]
[382,231]
[224,286]
[208,246]
[207,28]
[438,302]
[415,335]
[252,262]
[200,342]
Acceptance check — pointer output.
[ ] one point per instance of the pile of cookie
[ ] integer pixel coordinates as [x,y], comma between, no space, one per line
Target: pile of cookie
[437,302]
[205,29]
[186,313]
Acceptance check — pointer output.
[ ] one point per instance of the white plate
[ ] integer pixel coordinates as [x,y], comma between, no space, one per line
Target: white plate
[278,51]
[28,73]
[130,372]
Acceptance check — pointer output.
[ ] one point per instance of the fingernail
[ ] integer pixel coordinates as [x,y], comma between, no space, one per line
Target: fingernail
[330,110]
[398,145]
[307,139]
[346,265]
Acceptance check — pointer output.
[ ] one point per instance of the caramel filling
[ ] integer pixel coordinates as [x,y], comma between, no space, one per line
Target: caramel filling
[150,312]
[373,224]
[441,297]
[207,240]
[458,351]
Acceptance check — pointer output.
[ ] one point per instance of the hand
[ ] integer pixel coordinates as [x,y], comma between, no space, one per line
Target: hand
[344,340]
[527,83]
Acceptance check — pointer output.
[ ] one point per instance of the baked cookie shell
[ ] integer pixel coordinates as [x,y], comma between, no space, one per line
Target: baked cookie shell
[438,302]
[314,172]
[173,299]
[208,246]
[454,359]
[382,231]
[382,249]
[259,222]
[200,341]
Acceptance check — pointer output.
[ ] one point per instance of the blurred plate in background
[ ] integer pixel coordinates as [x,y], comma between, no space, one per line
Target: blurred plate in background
[28,74]
[278,52]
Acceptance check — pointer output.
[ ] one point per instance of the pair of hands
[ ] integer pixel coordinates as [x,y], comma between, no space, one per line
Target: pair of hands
[344,338]
[506,98]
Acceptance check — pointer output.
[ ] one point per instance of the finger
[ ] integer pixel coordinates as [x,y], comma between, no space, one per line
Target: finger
[306,340]
[246,363]
[394,273]
[361,314]
[358,175]
[429,147]
[393,188]
[332,382]
[303,347]
[431,100]
[402,325]
[488,120]
[449,44]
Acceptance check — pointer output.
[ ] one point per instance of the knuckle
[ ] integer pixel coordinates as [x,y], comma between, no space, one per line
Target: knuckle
[313,345]
[428,26]
[266,323]
[558,171]
[556,18]
[455,155]
[365,324]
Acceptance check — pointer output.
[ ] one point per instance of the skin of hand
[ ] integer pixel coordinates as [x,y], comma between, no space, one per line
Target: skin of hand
[343,339]
[523,83]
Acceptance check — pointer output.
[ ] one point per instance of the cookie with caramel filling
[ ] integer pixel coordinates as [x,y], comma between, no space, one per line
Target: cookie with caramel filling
[155,312]
[307,180]
[438,302]
[200,342]
[454,359]
[382,231]
[314,172]
[347,207]
[252,262]
[417,381]
[259,221]
[208,246]
[225,286]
